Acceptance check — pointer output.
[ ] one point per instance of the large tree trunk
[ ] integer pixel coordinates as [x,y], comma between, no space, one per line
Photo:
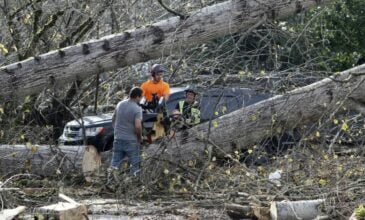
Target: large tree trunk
[41,160]
[248,126]
[306,105]
[142,44]
[240,129]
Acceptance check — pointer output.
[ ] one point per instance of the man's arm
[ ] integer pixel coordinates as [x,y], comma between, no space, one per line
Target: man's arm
[138,124]
[166,97]
[113,118]
[166,92]
[138,129]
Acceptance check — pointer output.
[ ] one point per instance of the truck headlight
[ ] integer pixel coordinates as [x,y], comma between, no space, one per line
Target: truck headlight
[94,131]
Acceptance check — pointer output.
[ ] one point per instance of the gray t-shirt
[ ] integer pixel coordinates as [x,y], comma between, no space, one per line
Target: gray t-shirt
[126,112]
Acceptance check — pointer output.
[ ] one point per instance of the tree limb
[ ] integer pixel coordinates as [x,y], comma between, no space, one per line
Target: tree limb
[183,17]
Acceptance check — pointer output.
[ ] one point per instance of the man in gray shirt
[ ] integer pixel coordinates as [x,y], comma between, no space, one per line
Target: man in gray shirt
[127,123]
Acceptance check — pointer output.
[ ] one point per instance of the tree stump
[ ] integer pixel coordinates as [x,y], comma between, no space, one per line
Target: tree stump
[289,210]
[91,162]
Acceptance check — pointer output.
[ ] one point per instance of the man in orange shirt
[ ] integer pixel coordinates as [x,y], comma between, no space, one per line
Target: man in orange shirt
[156,85]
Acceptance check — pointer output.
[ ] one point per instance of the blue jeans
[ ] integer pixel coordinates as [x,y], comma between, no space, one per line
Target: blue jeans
[129,148]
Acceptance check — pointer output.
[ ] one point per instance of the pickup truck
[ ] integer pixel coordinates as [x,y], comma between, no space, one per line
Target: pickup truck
[214,102]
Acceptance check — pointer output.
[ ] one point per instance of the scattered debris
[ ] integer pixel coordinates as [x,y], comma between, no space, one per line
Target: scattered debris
[275,177]
[69,210]
[8,214]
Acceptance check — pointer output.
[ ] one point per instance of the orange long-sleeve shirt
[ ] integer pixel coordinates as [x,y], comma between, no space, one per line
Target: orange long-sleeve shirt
[149,87]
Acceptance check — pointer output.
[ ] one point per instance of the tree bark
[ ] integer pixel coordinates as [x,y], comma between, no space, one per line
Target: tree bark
[237,130]
[159,39]
[286,210]
[91,162]
[41,159]
[45,160]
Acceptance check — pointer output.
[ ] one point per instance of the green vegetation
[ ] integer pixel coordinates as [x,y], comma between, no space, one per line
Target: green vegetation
[338,34]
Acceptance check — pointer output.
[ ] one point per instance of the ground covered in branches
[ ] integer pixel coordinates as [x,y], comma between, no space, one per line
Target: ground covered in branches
[227,188]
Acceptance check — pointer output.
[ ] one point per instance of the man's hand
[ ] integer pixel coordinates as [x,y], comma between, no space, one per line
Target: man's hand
[166,97]
[188,120]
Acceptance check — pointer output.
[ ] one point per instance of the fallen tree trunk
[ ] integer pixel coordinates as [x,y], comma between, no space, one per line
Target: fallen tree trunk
[246,127]
[302,106]
[41,160]
[286,210]
[46,160]
[237,130]
[159,39]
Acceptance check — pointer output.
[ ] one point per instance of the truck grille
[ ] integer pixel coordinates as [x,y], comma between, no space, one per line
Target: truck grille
[71,135]
[71,128]
[73,132]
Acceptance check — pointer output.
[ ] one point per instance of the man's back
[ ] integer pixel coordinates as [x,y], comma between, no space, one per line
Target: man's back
[126,113]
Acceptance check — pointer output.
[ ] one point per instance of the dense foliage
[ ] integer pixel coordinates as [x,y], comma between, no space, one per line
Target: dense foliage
[338,34]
